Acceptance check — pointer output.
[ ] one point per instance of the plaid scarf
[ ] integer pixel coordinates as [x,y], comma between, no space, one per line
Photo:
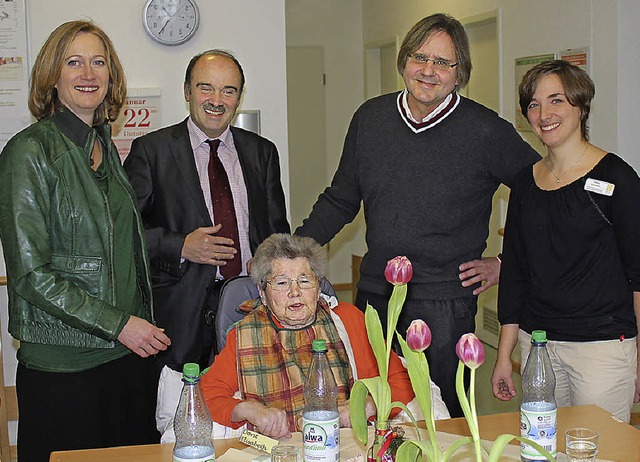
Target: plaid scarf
[273,362]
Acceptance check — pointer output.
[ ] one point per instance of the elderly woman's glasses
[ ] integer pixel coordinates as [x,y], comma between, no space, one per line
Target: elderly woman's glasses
[283,283]
[438,64]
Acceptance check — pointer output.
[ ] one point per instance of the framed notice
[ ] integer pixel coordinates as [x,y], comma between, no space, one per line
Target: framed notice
[576,56]
[139,116]
[522,66]
[14,80]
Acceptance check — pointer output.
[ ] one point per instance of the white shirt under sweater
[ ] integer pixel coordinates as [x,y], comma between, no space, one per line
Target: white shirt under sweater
[433,118]
[231,163]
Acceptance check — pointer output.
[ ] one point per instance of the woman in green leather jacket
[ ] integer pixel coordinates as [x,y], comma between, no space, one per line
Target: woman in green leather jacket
[77,270]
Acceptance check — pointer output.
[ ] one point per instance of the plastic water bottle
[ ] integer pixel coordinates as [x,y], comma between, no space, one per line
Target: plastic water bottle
[320,417]
[538,410]
[192,423]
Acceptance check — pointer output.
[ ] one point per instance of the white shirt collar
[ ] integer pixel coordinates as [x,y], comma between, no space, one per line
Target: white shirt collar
[197,136]
[429,116]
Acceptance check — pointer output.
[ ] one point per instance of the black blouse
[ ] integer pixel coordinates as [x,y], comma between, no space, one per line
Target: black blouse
[571,258]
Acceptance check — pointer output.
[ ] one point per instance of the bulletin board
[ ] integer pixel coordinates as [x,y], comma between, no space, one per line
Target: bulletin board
[576,56]
[14,79]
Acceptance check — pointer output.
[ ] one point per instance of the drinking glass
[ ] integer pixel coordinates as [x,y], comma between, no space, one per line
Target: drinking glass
[285,453]
[582,444]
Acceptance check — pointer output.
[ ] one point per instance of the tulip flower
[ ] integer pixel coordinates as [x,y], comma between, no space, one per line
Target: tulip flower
[470,351]
[398,271]
[471,354]
[418,335]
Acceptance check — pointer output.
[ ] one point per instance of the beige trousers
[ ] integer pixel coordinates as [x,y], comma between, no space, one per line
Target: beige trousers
[601,373]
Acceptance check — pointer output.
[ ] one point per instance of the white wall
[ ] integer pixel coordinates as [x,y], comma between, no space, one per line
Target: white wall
[529,28]
[253,30]
[628,97]
[336,25]
[608,27]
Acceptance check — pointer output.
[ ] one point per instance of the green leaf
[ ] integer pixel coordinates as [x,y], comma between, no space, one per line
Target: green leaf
[394,308]
[380,392]
[402,406]
[376,339]
[418,369]
[357,402]
[457,444]
[501,442]
[409,451]
[383,405]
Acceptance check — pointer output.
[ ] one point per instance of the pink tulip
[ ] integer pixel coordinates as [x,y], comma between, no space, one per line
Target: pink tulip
[418,335]
[398,271]
[470,351]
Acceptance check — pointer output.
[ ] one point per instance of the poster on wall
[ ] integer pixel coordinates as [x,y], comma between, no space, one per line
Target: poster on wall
[139,116]
[576,56]
[522,66]
[14,81]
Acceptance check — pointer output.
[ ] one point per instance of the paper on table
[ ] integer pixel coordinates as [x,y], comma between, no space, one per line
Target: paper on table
[350,448]
[562,457]
[466,453]
[240,455]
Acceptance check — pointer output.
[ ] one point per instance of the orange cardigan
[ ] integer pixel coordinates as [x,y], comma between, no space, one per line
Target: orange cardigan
[220,383]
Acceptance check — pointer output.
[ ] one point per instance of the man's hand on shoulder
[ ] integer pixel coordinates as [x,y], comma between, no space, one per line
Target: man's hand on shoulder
[204,247]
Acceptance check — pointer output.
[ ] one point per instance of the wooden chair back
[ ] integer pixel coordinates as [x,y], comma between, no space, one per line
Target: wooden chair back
[8,407]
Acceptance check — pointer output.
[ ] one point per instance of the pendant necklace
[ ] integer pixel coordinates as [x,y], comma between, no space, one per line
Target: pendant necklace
[564,172]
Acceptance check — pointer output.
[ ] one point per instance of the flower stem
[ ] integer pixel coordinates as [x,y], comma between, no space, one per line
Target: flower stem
[475,431]
[467,409]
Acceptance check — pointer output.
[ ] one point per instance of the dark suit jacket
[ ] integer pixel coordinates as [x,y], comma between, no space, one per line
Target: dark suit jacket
[163,174]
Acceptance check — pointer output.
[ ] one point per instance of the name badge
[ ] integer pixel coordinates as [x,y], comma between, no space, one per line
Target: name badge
[258,441]
[599,187]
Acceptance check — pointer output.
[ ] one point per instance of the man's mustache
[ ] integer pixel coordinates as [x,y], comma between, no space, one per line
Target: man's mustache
[213,107]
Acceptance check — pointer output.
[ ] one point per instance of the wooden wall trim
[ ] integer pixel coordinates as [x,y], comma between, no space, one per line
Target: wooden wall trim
[12,403]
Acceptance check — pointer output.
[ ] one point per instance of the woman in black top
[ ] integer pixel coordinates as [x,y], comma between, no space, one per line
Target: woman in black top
[571,258]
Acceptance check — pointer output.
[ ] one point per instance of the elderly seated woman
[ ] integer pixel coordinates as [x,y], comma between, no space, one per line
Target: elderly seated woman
[258,376]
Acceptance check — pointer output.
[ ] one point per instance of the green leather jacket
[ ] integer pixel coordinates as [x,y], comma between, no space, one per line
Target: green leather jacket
[57,237]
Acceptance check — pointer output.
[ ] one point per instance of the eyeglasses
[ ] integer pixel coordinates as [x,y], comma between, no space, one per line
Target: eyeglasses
[283,283]
[438,64]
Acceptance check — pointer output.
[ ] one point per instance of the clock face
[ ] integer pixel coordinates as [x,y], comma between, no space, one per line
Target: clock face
[170,22]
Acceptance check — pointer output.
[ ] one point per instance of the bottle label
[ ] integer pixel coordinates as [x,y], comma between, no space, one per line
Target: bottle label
[191,459]
[194,454]
[538,426]
[321,439]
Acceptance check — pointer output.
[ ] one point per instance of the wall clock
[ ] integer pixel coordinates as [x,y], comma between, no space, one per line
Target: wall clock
[171,22]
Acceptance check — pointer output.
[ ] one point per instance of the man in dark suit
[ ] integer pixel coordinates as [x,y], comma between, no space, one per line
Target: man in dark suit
[209,194]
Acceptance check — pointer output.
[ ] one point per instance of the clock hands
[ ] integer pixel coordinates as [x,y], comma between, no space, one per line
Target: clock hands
[170,17]
[170,22]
